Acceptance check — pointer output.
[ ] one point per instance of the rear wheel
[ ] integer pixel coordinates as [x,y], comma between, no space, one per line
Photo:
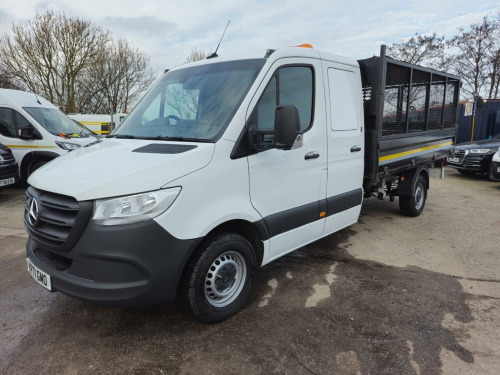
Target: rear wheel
[413,205]
[220,277]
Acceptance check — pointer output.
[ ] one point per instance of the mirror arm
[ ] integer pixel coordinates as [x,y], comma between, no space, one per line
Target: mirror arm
[255,138]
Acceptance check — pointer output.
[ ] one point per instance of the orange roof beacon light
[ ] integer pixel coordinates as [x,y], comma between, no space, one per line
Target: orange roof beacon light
[305,45]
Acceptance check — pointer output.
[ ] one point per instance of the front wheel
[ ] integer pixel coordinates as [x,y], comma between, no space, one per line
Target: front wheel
[219,278]
[413,205]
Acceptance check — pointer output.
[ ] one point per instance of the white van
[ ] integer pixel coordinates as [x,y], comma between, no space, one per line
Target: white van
[224,166]
[37,131]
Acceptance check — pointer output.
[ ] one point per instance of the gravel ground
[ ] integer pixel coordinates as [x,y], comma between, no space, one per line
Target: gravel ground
[389,295]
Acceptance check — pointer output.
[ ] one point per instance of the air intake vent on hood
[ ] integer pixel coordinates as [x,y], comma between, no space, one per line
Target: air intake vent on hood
[162,148]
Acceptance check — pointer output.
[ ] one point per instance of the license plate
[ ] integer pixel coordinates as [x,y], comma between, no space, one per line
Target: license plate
[6,182]
[453,160]
[41,277]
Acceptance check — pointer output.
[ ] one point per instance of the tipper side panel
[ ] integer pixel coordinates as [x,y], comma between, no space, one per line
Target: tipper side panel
[410,115]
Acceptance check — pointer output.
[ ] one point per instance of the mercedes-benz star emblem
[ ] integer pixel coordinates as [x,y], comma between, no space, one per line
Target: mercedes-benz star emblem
[33,212]
[2,160]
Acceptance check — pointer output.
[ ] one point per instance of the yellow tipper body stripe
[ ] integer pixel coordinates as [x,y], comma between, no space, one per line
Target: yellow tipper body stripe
[28,146]
[400,154]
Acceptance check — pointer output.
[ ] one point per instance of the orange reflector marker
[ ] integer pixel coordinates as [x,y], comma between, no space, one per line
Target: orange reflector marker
[322,214]
[402,178]
[305,45]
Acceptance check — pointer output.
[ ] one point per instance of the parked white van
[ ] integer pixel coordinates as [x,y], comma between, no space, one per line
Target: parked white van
[228,164]
[37,131]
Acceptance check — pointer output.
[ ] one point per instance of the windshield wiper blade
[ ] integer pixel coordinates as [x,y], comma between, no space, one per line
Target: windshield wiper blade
[182,139]
[124,136]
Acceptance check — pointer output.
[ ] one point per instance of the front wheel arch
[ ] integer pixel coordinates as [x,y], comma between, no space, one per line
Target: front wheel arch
[34,157]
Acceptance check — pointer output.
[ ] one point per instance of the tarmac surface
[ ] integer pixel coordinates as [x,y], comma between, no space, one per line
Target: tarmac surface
[389,295]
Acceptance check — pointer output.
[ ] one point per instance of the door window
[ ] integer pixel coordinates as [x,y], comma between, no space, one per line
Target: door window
[292,85]
[7,126]
[296,88]
[21,121]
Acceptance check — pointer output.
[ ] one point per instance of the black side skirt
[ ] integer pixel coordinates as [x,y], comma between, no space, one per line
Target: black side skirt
[296,217]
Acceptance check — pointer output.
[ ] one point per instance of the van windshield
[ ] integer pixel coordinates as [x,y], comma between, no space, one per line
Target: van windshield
[195,103]
[56,122]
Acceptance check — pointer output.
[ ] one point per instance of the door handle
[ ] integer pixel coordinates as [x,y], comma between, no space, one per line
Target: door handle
[355,148]
[311,155]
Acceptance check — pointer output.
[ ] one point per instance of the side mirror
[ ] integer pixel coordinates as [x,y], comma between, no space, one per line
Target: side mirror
[286,126]
[26,133]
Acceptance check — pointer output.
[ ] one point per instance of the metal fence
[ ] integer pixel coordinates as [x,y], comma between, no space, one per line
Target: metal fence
[487,122]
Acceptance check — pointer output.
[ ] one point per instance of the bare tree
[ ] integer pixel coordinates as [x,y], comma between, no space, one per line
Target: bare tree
[49,52]
[419,49]
[7,81]
[494,52]
[195,55]
[116,79]
[477,49]
[74,64]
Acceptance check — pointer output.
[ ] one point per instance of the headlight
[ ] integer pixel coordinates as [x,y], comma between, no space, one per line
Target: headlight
[480,150]
[133,208]
[67,146]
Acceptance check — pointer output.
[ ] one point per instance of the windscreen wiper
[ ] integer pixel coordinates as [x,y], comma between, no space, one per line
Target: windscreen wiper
[123,136]
[182,139]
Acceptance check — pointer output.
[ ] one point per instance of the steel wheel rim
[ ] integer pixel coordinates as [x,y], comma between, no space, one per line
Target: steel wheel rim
[419,196]
[225,279]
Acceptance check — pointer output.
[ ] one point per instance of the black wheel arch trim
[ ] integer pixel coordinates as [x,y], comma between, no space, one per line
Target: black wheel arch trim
[405,186]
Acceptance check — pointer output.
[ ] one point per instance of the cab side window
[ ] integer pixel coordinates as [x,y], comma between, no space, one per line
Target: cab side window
[7,126]
[292,85]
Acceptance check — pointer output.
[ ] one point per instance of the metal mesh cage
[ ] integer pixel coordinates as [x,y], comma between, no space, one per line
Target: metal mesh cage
[450,103]
[418,101]
[395,99]
[436,102]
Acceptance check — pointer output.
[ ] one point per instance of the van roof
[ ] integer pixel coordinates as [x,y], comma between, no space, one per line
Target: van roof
[296,52]
[17,98]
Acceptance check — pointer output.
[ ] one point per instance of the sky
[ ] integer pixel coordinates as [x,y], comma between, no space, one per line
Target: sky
[168,30]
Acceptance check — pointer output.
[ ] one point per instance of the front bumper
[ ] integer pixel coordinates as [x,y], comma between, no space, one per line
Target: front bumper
[120,265]
[471,163]
[9,171]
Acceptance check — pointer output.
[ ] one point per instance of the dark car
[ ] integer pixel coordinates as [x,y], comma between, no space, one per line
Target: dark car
[9,170]
[475,157]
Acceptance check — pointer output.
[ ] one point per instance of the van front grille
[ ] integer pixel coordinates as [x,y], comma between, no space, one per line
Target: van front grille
[53,220]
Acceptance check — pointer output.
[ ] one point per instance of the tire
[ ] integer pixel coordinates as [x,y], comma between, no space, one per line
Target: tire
[414,204]
[490,172]
[219,278]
